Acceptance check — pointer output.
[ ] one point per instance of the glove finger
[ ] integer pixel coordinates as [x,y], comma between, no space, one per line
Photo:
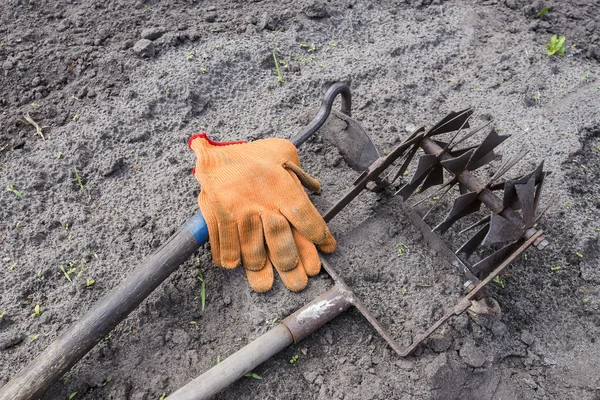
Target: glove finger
[307,181]
[329,244]
[252,240]
[230,243]
[280,241]
[295,279]
[308,254]
[213,231]
[261,280]
[307,220]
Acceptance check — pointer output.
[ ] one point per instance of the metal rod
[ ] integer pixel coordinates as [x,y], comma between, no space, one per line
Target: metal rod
[292,329]
[324,111]
[33,380]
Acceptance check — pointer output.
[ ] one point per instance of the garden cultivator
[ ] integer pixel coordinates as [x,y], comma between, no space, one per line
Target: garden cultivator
[514,232]
[510,229]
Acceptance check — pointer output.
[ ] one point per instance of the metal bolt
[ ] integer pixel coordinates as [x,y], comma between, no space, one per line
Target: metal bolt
[542,244]
[469,286]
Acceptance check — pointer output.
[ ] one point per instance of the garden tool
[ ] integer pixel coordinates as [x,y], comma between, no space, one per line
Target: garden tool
[35,378]
[504,225]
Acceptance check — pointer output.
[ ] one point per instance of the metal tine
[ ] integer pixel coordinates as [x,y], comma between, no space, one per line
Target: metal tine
[507,166]
[510,194]
[449,122]
[484,267]
[526,194]
[441,197]
[464,125]
[482,221]
[538,193]
[473,243]
[485,151]
[408,159]
[434,178]
[433,195]
[457,164]
[463,206]
[471,133]
[502,230]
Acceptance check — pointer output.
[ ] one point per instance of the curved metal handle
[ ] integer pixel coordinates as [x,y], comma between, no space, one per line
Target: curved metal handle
[324,111]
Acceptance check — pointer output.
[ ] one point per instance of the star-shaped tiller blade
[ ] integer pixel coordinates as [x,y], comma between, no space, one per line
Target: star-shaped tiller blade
[487,265]
[451,122]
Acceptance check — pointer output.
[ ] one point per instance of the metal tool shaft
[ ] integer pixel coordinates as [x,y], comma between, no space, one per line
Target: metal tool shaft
[33,380]
[292,329]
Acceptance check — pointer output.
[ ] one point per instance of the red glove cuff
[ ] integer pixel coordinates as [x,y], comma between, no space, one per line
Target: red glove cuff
[212,142]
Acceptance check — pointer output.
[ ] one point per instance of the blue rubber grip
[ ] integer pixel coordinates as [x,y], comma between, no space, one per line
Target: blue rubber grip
[197,227]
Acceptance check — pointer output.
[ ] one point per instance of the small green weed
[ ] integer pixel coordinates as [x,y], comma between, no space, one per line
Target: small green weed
[2,314]
[68,273]
[555,268]
[578,254]
[33,338]
[252,375]
[162,397]
[89,282]
[543,12]
[11,188]
[294,358]
[585,300]
[36,311]
[556,45]
[279,77]
[79,181]
[202,289]
[72,395]
[401,249]
[189,55]
[498,281]
[36,105]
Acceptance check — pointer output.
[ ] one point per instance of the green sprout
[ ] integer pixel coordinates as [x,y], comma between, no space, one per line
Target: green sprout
[294,358]
[499,281]
[543,12]
[36,311]
[2,314]
[567,205]
[36,105]
[147,9]
[556,45]
[89,282]
[585,300]
[555,268]
[72,395]
[578,254]
[189,55]
[253,375]
[163,396]
[33,337]
[279,77]
[11,188]
[79,180]
[401,249]
[202,70]
[202,296]
[67,273]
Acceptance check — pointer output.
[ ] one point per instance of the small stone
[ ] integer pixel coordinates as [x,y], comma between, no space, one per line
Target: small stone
[251,19]
[528,381]
[7,65]
[262,22]
[91,94]
[499,328]
[310,376]
[62,26]
[471,354]
[144,48]
[36,81]
[527,338]
[153,33]
[440,344]
[250,29]
[211,17]
[405,365]
[316,10]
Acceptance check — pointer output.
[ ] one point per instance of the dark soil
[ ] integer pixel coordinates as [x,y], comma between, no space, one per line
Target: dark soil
[118,88]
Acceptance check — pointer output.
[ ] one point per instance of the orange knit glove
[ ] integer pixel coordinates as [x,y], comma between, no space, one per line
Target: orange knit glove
[257,212]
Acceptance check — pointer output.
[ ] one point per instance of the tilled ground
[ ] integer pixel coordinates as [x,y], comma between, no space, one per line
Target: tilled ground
[119,87]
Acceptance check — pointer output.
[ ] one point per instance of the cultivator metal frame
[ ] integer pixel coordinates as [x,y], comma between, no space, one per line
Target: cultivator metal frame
[511,227]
